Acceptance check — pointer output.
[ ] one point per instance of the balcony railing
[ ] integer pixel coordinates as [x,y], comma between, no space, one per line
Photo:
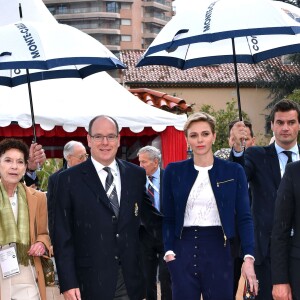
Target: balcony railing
[64,10]
[160,2]
[157,16]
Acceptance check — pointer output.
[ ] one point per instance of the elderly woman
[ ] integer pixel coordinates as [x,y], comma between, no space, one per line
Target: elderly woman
[202,197]
[23,227]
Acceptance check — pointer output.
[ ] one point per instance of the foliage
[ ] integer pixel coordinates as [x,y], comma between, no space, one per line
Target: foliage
[223,118]
[284,83]
[49,167]
[295,96]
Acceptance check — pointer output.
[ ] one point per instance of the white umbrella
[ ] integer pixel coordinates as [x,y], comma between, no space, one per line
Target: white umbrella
[62,49]
[40,45]
[226,31]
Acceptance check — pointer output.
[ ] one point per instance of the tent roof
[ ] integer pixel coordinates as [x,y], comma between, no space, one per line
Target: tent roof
[72,103]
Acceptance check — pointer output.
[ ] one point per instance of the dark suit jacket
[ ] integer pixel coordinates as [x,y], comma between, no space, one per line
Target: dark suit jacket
[155,232]
[262,168]
[29,181]
[287,216]
[51,192]
[90,244]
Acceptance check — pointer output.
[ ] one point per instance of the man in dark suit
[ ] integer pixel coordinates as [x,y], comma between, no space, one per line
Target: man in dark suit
[224,153]
[285,247]
[99,207]
[74,153]
[152,246]
[264,167]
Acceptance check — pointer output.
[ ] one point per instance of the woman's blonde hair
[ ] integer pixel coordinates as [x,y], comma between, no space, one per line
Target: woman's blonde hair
[198,117]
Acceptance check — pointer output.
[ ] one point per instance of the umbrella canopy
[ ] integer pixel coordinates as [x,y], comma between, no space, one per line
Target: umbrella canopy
[226,31]
[43,45]
[211,20]
[37,45]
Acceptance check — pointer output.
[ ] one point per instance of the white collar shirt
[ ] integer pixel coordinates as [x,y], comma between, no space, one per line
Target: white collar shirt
[103,174]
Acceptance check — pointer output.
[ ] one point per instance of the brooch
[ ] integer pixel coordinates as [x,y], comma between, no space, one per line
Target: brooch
[136,209]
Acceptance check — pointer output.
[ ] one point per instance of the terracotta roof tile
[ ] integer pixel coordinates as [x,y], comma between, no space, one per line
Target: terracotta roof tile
[216,75]
[161,100]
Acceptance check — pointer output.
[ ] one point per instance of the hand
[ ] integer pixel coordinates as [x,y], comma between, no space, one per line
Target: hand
[282,292]
[238,135]
[36,156]
[73,294]
[37,249]
[249,274]
[170,257]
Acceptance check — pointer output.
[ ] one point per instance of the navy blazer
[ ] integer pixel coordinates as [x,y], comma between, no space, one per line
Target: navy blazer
[262,169]
[230,189]
[285,248]
[90,243]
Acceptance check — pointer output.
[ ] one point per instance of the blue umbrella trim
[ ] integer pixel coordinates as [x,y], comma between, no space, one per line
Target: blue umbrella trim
[105,63]
[213,37]
[212,60]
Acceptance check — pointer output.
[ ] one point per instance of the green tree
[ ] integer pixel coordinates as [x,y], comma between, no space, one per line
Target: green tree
[223,118]
[283,83]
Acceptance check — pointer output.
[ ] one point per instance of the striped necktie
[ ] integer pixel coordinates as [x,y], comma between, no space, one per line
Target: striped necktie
[111,192]
[150,189]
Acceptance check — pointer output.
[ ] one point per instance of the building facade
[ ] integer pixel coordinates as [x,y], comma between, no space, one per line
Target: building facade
[119,24]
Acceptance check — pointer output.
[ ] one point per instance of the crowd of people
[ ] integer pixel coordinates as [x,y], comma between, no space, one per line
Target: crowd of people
[118,228]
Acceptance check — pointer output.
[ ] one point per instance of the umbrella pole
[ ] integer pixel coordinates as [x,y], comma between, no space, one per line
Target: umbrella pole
[237,81]
[31,106]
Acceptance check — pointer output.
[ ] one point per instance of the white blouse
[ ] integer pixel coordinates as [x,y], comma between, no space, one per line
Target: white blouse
[201,208]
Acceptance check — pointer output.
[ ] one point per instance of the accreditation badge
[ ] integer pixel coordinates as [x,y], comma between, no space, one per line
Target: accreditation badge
[9,262]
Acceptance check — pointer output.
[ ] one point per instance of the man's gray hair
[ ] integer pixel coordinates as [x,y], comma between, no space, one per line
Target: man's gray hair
[153,152]
[69,148]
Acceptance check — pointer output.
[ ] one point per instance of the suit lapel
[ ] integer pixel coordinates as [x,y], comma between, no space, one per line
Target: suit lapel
[92,180]
[160,188]
[125,182]
[274,163]
[189,176]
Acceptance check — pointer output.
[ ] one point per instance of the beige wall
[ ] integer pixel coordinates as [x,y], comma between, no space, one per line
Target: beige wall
[254,101]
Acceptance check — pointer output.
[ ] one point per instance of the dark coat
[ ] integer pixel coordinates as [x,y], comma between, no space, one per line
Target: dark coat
[262,168]
[287,216]
[51,193]
[90,244]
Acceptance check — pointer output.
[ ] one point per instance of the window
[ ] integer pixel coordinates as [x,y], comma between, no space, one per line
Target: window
[126,22]
[126,38]
[125,6]
[113,7]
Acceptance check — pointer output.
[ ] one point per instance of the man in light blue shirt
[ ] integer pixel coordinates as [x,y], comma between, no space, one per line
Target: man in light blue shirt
[264,167]
[152,247]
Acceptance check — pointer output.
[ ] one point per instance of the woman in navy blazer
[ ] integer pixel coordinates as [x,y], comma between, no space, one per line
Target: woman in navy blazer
[202,199]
